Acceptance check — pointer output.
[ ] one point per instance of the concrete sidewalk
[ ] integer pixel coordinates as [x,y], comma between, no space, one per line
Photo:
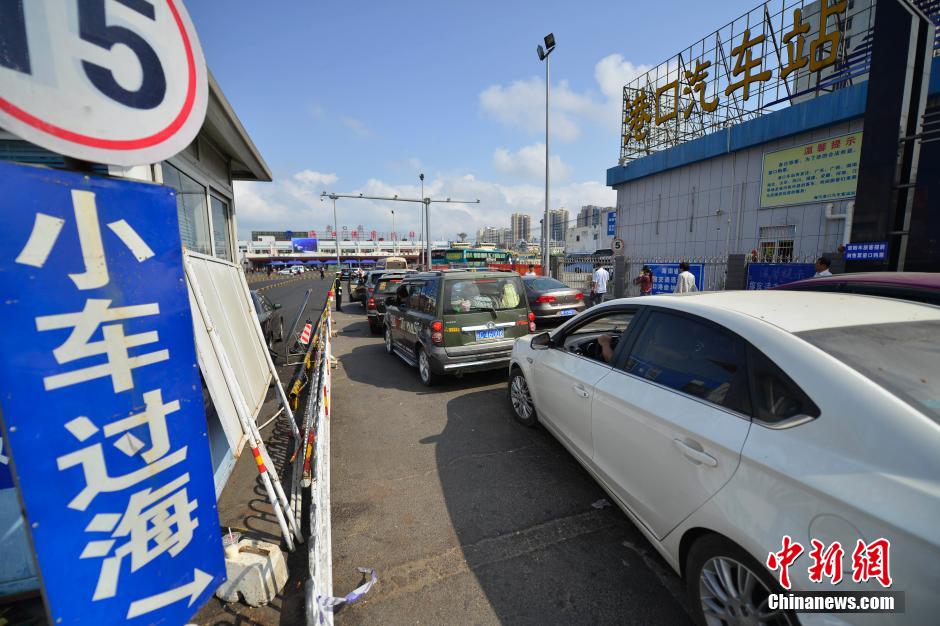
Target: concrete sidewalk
[467,516]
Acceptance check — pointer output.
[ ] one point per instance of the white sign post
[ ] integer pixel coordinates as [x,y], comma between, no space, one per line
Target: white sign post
[122,82]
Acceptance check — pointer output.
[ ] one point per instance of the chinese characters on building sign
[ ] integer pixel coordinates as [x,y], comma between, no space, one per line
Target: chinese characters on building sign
[821,171]
[665,276]
[777,54]
[866,251]
[102,401]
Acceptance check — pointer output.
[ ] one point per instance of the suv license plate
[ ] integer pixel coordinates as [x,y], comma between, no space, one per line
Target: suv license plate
[567,312]
[495,333]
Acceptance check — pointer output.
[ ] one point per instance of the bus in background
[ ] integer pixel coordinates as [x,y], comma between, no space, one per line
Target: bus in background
[392,263]
[445,258]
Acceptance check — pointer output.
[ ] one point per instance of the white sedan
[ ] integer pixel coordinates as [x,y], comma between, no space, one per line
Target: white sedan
[723,422]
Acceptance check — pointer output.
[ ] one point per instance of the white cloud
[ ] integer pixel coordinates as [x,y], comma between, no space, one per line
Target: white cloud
[358,127]
[529,163]
[314,178]
[294,203]
[522,103]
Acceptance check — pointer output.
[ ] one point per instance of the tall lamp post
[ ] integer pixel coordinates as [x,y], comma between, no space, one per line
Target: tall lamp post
[546,223]
[427,263]
[333,197]
[394,234]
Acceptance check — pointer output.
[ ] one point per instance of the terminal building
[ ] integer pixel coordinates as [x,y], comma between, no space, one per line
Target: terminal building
[749,142]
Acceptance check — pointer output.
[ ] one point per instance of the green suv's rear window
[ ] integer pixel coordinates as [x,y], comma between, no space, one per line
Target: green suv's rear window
[388,285]
[471,295]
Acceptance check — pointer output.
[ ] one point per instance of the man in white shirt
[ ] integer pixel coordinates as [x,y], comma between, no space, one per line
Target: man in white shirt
[822,267]
[685,281]
[531,271]
[599,285]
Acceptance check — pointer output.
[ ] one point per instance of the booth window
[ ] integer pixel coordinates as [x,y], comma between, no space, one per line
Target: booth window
[221,228]
[191,209]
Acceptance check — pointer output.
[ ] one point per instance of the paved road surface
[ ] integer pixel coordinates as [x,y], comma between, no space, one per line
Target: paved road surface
[467,516]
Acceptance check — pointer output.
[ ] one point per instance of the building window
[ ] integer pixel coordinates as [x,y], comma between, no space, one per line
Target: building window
[191,209]
[221,228]
[776,243]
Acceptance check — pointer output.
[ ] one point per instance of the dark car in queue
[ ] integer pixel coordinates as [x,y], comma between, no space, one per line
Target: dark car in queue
[914,286]
[385,288]
[552,300]
[366,286]
[457,321]
[269,314]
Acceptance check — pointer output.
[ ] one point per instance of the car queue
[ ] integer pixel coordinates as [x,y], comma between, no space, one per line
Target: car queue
[723,424]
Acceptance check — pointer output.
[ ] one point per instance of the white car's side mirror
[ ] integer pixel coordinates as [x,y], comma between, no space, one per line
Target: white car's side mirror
[542,341]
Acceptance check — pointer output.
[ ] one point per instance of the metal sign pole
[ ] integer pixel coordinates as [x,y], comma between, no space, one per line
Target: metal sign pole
[257,445]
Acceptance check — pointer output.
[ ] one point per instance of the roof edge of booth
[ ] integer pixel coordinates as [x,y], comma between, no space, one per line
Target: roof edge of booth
[224,128]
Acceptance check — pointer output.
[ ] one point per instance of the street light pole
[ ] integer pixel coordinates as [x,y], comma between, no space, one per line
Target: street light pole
[335,229]
[427,263]
[546,223]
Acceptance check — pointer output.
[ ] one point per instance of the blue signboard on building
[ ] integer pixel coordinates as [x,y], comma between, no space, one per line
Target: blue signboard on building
[102,404]
[664,276]
[304,244]
[769,275]
[611,223]
[872,251]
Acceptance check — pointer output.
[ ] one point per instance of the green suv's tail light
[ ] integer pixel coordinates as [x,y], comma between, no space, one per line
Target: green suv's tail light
[437,333]
[531,322]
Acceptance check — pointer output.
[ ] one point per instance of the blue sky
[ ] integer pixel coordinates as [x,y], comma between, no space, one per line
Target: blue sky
[361,97]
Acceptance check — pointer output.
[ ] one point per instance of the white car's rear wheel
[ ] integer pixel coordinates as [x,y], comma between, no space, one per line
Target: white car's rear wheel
[726,585]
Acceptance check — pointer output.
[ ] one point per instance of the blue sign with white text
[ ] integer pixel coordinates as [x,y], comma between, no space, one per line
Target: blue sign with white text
[102,403]
[665,275]
[873,251]
[611,223]
[769,275]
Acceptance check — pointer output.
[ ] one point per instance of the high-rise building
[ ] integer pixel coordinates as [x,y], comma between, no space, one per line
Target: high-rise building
[558,224]
[505,238]
[488,234]
[521,227]
[589,215]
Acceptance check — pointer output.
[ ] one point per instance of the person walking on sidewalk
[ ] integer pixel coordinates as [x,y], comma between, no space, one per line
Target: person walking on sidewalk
[645,281]
[599,284]
[338,291]
[685,281]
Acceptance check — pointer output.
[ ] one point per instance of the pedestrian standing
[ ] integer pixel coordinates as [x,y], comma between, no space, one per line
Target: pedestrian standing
[685,281]
[822,267]
[531,270]
[338,291]
[599,284]
[645,281]
[322,274]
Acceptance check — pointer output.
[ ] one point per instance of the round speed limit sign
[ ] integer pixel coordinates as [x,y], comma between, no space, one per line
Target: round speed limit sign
[109,81]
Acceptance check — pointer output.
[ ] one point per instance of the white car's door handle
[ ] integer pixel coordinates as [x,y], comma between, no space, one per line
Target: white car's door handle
[696,456]
[581,391]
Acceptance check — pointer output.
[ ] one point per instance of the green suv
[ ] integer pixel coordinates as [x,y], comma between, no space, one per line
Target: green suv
[456,321]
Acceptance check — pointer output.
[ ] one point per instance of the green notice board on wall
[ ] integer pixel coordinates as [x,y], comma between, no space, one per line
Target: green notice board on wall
[821,171]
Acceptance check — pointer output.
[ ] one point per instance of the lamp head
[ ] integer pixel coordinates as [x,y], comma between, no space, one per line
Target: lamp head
[550,41]
[540,52]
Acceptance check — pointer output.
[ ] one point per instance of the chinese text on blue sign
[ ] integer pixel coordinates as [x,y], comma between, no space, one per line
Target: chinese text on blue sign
[102,401]
[866,251]
[611,223]
[665,274]
[769,275]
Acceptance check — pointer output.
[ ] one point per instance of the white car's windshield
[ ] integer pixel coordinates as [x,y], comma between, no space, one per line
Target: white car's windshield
[903,358]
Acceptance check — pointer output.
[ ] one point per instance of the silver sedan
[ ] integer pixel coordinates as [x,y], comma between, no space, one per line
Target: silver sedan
[731,427]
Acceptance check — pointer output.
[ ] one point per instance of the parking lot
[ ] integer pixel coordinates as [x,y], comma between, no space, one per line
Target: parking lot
[468,516]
